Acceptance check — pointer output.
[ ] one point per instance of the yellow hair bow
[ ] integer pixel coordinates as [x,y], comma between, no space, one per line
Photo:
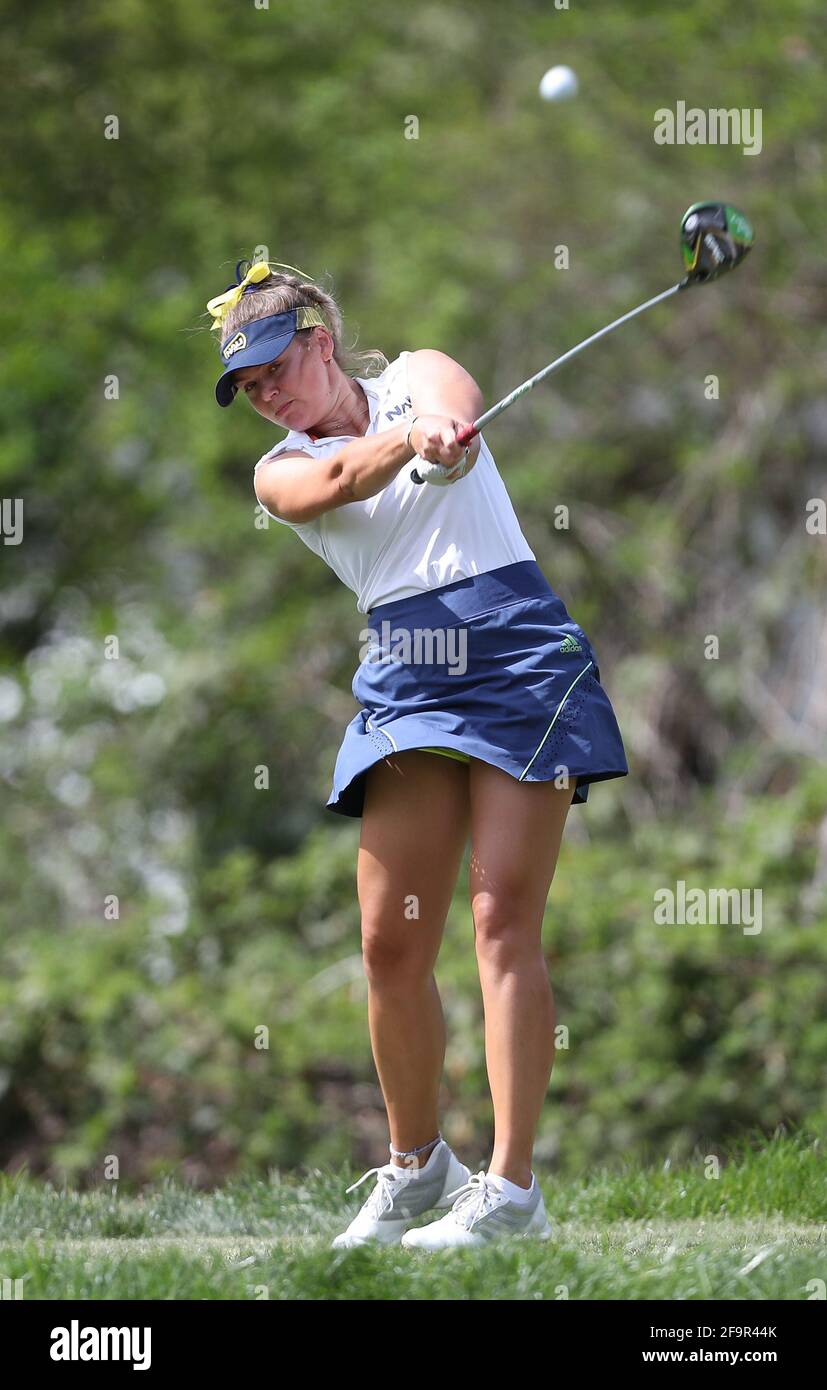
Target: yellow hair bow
[219,306]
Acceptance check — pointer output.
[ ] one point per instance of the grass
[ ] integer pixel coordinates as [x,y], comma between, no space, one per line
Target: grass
[757,1231]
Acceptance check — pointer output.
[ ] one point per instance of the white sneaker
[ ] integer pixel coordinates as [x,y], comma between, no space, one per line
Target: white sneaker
[482,1213]
[399,1198]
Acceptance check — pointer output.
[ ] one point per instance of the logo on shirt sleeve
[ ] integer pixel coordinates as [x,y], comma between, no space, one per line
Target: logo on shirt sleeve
[398,410]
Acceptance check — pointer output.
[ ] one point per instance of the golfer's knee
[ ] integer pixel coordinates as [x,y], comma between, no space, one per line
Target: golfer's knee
[392,956]
[504,928]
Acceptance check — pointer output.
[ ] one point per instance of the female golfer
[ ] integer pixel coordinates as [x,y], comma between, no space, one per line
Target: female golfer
[482,715]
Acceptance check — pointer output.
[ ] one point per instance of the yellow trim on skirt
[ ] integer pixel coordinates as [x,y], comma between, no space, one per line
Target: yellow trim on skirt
[448,753]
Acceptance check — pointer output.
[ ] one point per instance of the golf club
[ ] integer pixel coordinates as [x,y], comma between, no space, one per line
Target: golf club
[715,237]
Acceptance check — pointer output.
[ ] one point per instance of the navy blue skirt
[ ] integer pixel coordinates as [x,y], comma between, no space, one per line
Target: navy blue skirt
[490,667]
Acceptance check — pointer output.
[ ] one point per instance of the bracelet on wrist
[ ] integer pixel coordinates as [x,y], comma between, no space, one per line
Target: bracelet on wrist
[408,440]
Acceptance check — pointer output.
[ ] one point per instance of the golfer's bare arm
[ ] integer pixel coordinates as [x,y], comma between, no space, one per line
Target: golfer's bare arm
[440,386]
[299,488]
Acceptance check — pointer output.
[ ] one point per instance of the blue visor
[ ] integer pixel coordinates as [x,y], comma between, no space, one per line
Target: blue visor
[259,342]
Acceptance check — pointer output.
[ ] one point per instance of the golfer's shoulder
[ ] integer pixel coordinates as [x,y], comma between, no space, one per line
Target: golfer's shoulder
[285,485]
[416,361]
[431,371]
[430,360]
[294,445]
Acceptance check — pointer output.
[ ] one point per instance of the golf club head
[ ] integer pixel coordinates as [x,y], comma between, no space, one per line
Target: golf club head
[715,237]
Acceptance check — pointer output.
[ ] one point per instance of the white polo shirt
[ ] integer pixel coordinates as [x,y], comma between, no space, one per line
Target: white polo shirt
[407,539]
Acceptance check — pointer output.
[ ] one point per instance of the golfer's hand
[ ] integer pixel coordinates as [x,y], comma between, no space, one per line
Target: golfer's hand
[441,439]
[434,437]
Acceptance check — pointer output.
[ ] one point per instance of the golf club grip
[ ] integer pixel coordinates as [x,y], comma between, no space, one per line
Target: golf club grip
[464,436]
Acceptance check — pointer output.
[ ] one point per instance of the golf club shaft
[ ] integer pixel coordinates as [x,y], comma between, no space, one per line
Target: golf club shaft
[464,436]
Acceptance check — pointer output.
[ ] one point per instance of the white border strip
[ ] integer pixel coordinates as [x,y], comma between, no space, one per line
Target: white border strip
[551,725]
[381,731]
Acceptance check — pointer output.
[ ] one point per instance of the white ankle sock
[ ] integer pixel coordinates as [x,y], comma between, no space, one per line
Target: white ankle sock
[517,1194]
[424,1167]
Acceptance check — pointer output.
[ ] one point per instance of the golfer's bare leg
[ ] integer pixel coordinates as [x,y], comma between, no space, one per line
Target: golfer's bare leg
[414,827]
[516,831]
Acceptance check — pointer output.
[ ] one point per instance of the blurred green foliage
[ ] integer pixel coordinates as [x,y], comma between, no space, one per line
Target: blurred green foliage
[285,128]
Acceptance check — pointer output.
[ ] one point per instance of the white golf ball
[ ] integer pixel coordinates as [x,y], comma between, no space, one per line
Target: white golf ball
[559,84]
